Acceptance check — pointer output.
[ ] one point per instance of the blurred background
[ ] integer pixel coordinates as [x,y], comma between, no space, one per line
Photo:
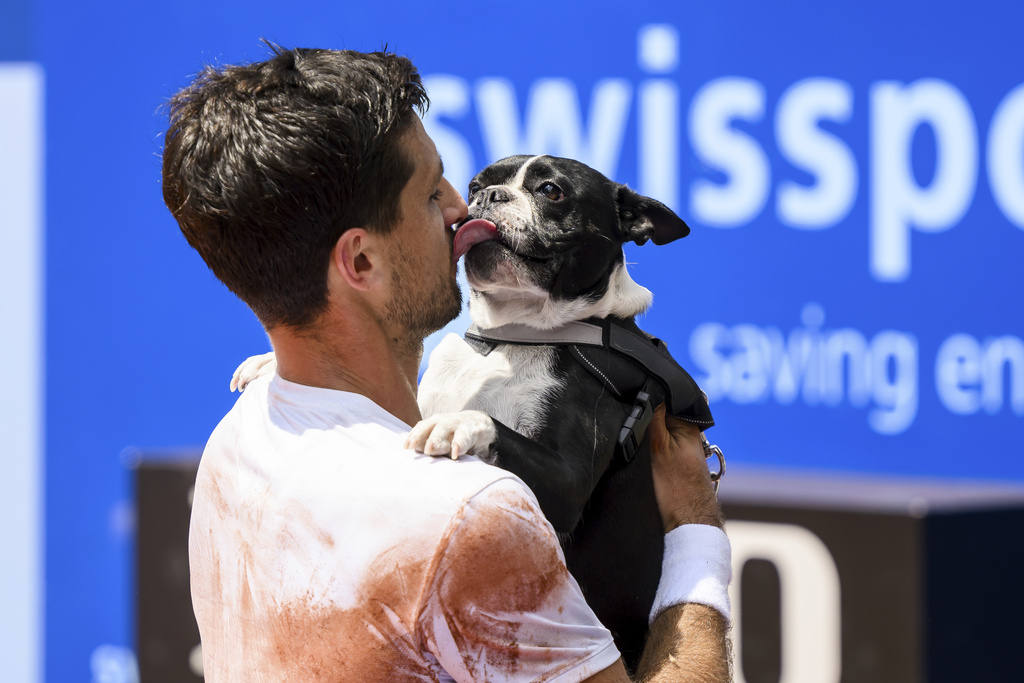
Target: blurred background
[849,298]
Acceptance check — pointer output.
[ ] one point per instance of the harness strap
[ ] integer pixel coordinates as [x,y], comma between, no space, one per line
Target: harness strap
[624,359]
[578,332]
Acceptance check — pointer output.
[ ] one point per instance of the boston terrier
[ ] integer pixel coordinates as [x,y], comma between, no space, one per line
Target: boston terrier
[554,381]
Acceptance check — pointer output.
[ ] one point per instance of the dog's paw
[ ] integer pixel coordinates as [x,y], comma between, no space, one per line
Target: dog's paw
[468,432]
[251,368]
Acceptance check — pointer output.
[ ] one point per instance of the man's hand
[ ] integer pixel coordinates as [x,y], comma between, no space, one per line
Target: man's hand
[682,481]
[687,643]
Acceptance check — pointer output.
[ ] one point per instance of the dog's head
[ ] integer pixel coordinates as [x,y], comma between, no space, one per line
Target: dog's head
[543,242]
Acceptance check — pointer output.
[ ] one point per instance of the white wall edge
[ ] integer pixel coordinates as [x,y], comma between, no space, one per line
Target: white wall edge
[22,350]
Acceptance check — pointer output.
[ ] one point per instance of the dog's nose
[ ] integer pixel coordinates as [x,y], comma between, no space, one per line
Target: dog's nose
[498,194]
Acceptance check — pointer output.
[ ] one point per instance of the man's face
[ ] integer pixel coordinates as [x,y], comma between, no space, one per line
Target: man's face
[424,293]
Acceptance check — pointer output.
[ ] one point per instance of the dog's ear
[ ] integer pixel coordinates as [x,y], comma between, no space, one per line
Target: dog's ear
[642,218]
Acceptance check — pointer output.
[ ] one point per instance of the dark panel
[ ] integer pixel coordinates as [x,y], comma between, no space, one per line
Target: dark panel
[167,632]
[762,637]
[878,559]
[975,596]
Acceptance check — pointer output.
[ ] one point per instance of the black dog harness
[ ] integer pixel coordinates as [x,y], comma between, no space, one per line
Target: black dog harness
[625,360]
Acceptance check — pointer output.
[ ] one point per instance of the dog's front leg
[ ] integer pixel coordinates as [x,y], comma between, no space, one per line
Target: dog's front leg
[467,432]
[562,473]
[559,477]
[252,368]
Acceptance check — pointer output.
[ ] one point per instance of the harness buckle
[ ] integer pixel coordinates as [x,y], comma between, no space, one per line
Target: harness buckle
[635,426]
[709,450]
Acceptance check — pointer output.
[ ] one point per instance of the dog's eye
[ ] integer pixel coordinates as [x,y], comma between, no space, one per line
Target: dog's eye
[473,188]
[551,191]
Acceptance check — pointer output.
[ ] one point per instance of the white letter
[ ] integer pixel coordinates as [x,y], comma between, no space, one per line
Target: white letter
[898,203]
[114,664]
[553,121]
[809,598]
[704,341]
[811,149]
[787,363]
[1006,156]
[810,338]
[958,373]
[749,365]
[999,352]
[449,97]
[658,115]
[499,118]
[659,141]
[896,397]
[847,344]
[658,48]
[725,149]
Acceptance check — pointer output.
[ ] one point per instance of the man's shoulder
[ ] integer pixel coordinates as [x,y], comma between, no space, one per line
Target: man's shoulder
[254,399]
[344,451]
[467,480]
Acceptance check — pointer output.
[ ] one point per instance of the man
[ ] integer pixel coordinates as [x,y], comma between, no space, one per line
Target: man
[320,549]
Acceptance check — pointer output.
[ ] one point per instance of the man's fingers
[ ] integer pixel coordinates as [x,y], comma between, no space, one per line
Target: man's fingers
[657,430]
[682,482]
[669,435]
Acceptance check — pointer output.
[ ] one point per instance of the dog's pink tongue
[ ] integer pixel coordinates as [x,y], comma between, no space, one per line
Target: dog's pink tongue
[472,233]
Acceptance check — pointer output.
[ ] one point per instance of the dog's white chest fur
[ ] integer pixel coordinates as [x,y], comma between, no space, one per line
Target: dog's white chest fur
[512,384]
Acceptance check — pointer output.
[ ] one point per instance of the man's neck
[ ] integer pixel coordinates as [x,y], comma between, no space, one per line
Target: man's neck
[354,358]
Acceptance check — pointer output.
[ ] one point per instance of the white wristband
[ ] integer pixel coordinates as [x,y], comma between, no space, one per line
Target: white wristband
[697,567]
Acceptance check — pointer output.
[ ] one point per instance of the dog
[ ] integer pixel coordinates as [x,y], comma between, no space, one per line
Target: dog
[554,382]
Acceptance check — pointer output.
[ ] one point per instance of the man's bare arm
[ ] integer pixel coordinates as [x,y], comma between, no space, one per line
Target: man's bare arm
[687,642]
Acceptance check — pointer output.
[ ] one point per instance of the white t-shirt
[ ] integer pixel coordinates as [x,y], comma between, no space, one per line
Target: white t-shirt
[321,550]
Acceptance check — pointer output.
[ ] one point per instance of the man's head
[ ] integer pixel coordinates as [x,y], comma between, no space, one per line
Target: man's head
[414,261]
[266,165]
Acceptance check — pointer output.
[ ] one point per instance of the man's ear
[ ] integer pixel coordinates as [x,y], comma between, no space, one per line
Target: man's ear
[642,218]
[355,259]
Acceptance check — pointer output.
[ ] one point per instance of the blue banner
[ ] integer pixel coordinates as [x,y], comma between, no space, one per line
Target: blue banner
[848,298]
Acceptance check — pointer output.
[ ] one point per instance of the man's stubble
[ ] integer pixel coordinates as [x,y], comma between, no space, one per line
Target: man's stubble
[421,308]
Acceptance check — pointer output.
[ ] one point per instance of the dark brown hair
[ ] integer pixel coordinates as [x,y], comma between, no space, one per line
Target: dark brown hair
[265,165]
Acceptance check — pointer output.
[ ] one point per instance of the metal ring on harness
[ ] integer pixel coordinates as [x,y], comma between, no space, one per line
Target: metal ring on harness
[709,450]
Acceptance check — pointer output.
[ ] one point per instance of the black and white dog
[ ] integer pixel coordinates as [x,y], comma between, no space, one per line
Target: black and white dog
[554,381]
